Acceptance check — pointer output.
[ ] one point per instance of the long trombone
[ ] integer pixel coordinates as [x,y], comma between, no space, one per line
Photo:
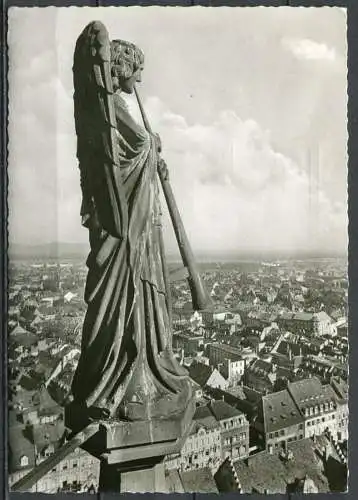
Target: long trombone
[199,295]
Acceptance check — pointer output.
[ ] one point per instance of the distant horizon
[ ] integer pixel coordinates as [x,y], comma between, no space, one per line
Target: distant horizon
[28,250]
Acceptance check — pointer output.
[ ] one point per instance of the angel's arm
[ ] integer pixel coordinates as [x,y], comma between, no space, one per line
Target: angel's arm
[133,133]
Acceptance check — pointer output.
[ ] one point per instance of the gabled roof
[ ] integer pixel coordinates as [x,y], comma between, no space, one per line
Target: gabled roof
[323,316]
[284,347]
[222,410]
[200,373]
[279,411]
[18,330]
[311,392]
[203,418]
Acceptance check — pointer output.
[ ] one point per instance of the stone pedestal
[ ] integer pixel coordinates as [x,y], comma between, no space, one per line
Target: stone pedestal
[143,476]
[131,453]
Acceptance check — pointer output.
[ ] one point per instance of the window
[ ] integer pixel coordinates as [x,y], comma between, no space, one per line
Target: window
[74,464]
[64,467]
[24,461]
[301,426]
[276,434]
[282,432]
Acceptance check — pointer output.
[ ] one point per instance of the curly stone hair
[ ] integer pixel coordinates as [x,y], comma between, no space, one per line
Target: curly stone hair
[126,59]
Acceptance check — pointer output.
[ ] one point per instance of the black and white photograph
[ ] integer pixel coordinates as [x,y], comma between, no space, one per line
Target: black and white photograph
[178,250]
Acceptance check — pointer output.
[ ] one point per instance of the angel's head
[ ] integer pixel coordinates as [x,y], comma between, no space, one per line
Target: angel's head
[127,62]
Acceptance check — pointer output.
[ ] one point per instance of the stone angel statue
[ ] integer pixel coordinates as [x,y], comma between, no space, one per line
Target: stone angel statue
[127,369]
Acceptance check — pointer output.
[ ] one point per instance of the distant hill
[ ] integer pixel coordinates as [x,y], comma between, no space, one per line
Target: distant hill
[50,251]
[54,251]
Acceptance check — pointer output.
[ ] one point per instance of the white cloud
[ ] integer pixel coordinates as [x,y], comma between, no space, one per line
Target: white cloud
[309,49]
[232,186]
[236,192]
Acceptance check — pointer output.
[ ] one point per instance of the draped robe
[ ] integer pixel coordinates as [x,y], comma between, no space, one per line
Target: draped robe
[126,355]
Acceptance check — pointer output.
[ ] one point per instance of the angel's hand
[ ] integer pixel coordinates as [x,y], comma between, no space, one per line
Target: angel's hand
[158,143]
[163,168]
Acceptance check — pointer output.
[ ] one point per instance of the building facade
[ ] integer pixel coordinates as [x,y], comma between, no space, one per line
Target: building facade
[279,421]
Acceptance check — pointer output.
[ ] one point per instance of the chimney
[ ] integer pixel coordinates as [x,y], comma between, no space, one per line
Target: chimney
[285,447]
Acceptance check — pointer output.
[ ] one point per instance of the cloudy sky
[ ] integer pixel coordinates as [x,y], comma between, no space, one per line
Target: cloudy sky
[250,104]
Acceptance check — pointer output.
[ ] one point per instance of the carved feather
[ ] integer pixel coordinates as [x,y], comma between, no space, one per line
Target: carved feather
[97,148]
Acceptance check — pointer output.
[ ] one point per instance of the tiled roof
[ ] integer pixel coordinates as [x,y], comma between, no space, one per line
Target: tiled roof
[203,418]
[25,398]
[26,339]
[19,446]
[45,434]
[233,352]
[200,373]
[323,316]
[285,346]
[286,316]
[272,474]
[310,392]
[237,391]
[303,316]
[222,410]
[173,481]
[202,412]
[341,387]
[18,330]
[262,473]
[279,411]
[46,402]
[198,481]
[262,365]
[29,383]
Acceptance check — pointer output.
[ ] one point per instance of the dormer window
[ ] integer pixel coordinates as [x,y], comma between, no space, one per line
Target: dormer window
[24,461]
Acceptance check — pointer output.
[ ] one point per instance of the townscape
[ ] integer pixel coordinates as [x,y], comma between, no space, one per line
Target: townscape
[268,362]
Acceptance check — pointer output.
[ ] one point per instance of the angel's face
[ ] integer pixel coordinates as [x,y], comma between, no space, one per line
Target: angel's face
[128,84]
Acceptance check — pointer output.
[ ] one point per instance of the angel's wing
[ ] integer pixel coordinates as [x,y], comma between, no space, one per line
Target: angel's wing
[97,144]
